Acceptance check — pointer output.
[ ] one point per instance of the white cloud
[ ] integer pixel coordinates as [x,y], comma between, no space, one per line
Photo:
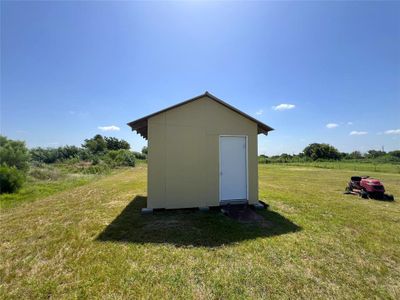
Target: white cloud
[358,133]
[392,131]
[259,112]
[331,125]
[109,128]
[349,123]
[283,106]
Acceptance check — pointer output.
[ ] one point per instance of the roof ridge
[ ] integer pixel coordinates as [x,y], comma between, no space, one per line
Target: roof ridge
[140,125]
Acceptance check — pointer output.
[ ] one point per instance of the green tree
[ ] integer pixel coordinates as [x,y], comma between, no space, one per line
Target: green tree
[395,153]
[96,145]
[321,151]
[375,153]
[355,155]
[116,144]
[14,154]
[145,150]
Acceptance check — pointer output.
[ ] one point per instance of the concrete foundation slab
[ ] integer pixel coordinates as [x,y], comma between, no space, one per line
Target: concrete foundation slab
[204,208]
[259,206]
[146,211]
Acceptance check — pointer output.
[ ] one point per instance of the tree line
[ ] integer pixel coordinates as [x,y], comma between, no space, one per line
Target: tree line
[323,152]
[99,153]
[90,149]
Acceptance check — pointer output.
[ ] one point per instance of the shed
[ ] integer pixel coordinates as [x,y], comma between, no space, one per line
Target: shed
[201,152]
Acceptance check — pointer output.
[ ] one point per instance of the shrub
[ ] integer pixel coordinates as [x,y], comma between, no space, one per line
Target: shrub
[72,161]
[67,152]
[97,169]
[14,154]
[48,155]
[37,164]
[262,159]
[387,158]
[11,179]
[125,158]
[85,154]
[120,158]
[139,155]
[95,160]
[45,173]
[112,154]
[52,155]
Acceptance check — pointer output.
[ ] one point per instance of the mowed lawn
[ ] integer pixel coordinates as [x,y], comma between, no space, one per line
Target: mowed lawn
[315,242]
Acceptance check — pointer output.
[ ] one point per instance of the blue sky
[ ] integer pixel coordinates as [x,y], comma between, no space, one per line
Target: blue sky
[68,68]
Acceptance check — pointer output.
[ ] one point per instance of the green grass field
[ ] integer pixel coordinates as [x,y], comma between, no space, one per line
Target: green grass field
[90,241]
[361,167]
[37,189]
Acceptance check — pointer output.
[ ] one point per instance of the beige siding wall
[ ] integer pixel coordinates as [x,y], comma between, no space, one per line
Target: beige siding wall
[183,157]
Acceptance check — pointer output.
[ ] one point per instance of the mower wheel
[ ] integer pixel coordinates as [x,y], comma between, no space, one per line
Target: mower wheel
[389,197]
[364,194]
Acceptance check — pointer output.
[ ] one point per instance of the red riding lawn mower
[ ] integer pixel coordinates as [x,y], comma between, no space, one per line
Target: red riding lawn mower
[367,187]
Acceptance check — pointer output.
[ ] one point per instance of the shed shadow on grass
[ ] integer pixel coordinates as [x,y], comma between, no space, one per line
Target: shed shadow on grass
[189,228]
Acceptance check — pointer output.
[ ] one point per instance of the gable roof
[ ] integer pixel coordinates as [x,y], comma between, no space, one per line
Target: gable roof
[140,125]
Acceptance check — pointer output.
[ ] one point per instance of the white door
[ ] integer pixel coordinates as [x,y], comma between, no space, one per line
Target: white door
[233,168]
